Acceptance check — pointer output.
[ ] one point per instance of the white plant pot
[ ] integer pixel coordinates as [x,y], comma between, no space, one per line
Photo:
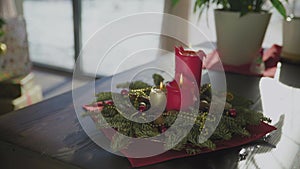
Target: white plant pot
[291,39]
[239,39]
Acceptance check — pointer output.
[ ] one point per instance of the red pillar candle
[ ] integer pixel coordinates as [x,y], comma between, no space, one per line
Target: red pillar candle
[180,97]
[189,63]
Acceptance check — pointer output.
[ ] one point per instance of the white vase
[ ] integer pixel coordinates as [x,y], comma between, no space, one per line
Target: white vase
[239,38]
[291,39]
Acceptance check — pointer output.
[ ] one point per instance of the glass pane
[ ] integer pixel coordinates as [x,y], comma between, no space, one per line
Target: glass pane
[97,13]
[50,32]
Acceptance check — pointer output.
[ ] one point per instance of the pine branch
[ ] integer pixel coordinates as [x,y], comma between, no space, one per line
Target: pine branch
[103,96]
[119,142]
[228,126]
[157,79]
[133,85]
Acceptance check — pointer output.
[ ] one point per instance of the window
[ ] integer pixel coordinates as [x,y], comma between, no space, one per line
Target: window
[50,32]
[97,13]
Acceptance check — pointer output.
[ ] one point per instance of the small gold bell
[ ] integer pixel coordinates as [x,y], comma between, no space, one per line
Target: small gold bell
[229,96]
[3,48]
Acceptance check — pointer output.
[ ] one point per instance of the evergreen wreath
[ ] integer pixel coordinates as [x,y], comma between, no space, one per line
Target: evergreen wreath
[236,116]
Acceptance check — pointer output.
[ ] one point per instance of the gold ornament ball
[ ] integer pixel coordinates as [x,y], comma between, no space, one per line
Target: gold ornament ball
[3,48]
[229,96]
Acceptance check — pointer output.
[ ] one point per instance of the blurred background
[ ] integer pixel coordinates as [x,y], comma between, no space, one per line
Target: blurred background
[57,30]
[51,32]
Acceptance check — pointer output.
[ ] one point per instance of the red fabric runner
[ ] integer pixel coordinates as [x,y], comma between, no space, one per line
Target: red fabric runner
[256,132]
[270,58]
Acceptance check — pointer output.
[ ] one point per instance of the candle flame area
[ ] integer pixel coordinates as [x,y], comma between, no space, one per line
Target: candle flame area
[180,80]
[161,85]
[188,53]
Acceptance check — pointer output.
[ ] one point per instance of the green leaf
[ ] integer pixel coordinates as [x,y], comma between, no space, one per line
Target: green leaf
[1,33]
[157,79]
[133,85]
[174,2]
[236,5]
[244,11]
[2,22]
[103,96]
[279,6]
[258,5]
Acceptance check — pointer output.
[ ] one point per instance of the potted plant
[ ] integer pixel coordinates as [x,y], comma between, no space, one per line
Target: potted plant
[240,27]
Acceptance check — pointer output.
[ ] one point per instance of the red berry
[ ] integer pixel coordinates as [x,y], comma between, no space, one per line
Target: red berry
[142,108]
[109,102]
[99,104]
[163,129]
[124,92]
[232,112]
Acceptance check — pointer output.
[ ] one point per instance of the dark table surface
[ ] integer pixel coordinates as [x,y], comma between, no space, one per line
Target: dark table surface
[49,131]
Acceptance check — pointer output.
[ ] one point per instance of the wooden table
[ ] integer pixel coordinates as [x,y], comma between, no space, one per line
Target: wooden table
[48,134]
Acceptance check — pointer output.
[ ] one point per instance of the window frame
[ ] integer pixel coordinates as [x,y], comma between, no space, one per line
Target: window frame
[77,34]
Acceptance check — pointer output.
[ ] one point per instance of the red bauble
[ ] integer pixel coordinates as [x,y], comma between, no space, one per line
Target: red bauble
[163,129]
[98,104]
[232,112]
[109,102]
[124,92]
[142,107]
